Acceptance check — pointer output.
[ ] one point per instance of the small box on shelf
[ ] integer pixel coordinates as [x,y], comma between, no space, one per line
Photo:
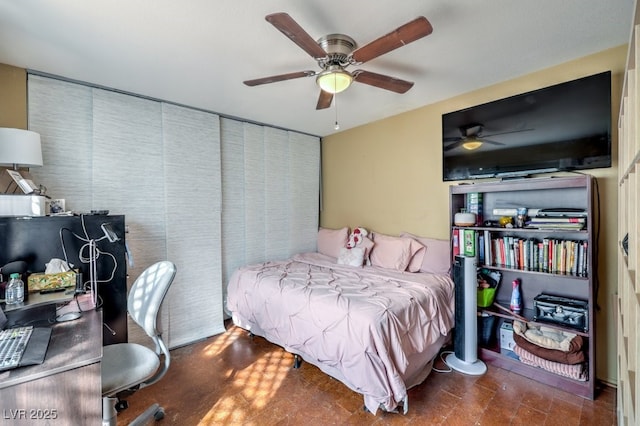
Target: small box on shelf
[506,336]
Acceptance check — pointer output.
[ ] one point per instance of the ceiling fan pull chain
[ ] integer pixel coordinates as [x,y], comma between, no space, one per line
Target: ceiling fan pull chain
[335,104]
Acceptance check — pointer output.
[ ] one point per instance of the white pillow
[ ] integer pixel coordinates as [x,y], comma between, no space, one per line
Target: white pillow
[351,257]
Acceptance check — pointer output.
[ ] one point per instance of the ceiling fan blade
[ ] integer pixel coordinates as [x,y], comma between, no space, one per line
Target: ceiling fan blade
[507,133]
[407,33]
[324,100]
[490,142]
[280,77]
[290,28]
[455,139]
[382,81]
[452,146]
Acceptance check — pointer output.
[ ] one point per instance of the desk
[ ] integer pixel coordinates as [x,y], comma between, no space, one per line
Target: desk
[66,388]
[39,299]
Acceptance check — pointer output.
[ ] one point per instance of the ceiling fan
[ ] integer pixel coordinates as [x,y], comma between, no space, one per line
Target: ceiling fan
[335,52]
[471,137]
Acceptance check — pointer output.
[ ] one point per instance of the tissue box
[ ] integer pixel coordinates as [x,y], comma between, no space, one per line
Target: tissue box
[50,282]
[22,205]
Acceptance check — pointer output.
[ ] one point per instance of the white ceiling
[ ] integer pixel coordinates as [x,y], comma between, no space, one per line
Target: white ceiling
[198,52]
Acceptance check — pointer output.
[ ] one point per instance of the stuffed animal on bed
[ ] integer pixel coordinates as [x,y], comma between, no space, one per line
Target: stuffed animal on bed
[357,250]
[356,237]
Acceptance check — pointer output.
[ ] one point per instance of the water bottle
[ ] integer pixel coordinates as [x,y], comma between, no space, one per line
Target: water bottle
[15,290]
[516,304]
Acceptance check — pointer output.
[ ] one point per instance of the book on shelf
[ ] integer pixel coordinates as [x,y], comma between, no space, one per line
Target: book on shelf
[551,226]
[568,223]
[557,256]
[469,242]
[562,212]
[456,242]
[567,219]
[488,253]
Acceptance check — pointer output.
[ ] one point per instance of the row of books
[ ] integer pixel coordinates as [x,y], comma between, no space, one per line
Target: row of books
[557,256]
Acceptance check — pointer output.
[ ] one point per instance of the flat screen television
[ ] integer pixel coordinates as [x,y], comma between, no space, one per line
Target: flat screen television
[558,128]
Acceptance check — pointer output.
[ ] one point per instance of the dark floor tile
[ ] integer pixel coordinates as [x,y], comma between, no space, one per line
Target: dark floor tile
[568,412]
[496,416]
[568,397]
[528,416]
[593,414]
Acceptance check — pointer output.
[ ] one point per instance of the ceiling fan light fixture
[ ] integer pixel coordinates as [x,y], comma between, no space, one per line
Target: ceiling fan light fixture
[334,79]
[472,144]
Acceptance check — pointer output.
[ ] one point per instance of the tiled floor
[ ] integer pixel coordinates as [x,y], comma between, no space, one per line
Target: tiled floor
[234,379]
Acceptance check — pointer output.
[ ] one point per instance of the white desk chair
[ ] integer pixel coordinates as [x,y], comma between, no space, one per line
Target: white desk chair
[127,367]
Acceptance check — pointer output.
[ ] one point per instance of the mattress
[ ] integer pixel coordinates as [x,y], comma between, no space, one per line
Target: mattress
[374,329]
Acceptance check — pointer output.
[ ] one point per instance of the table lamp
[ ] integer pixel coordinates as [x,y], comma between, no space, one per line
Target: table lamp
[20,147]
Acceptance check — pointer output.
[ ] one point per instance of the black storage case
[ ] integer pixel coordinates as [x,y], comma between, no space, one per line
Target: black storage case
[565,311]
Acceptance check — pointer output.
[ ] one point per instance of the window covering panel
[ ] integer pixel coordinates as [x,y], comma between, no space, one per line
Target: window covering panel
[127,163]
[254,196]
[233,198]
[62,113]
[304,184]
[276,206]
[191,141]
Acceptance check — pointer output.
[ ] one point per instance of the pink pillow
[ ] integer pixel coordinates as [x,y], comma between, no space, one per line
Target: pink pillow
[437,256]
[330,241]
[418,251]
[367,244]
[392,252]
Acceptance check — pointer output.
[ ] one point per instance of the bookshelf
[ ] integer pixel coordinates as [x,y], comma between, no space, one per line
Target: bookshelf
[547,259]
[628,306]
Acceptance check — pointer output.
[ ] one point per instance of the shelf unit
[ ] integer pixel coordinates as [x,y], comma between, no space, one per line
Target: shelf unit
[551,192]
[628,305]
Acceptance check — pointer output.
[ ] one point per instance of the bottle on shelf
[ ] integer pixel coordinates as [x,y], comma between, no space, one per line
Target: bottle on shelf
[15,290]
[516,304]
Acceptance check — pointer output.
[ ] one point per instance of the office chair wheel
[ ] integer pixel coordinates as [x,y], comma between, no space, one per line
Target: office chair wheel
[121,405]
[297,361]
[159,414]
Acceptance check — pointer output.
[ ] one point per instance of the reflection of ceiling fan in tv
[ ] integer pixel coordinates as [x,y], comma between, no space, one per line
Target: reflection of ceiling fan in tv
[471,137]
[335,52]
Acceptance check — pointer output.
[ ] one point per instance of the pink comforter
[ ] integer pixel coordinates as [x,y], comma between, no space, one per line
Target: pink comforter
[374,329]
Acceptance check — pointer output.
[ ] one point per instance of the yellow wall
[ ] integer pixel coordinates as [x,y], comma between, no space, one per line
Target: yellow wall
[13,97]
[387,176]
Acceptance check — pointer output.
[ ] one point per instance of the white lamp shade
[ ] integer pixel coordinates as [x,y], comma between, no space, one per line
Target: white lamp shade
[20,147]
[334,80]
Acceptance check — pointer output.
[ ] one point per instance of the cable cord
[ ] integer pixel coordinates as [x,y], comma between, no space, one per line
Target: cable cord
[89,253]
[449,369]
[596,238]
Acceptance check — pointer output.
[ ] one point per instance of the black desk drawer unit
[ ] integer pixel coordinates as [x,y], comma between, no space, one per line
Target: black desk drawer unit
[36,240]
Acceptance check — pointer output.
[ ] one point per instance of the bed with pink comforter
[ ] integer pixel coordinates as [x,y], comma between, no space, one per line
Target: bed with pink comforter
[376,330]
